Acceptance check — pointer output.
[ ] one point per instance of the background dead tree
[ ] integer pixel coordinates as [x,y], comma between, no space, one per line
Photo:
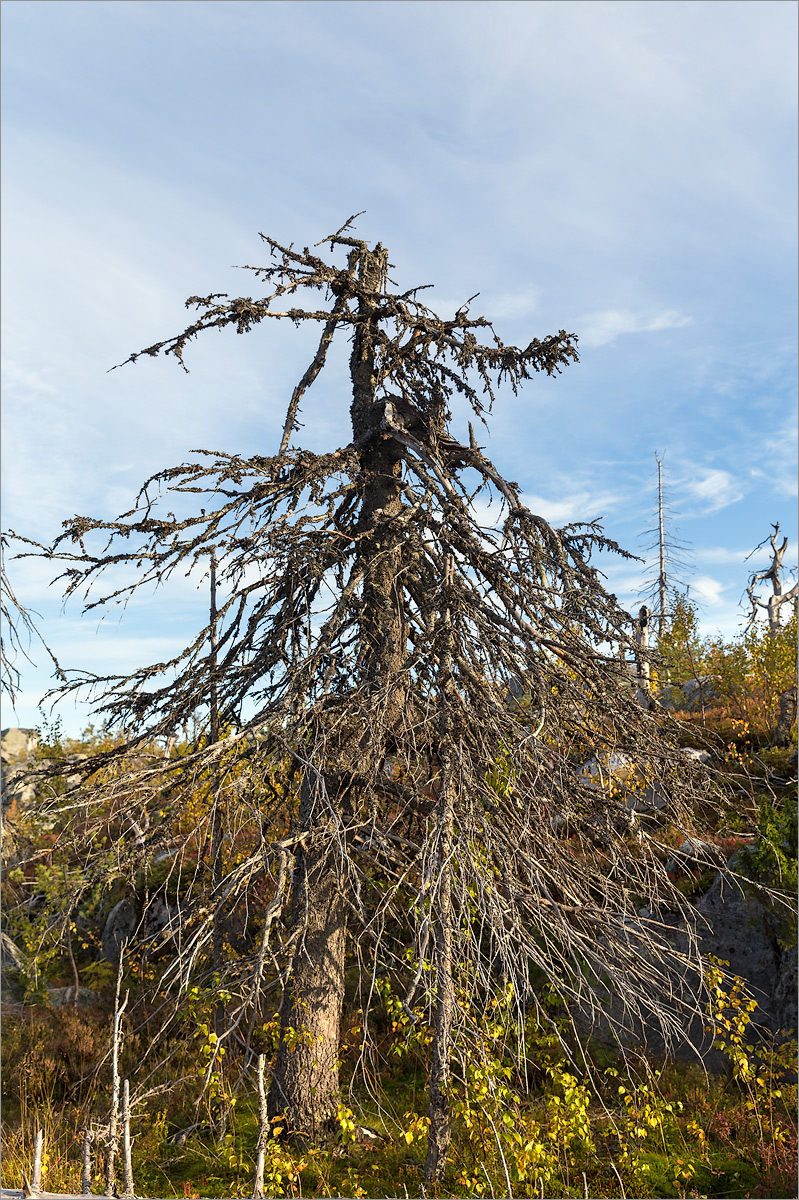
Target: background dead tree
[773,604]
[366,633]
[643,666]
[671,550]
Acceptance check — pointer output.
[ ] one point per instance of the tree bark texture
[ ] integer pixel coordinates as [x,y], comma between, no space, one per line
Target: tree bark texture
[643,689]
[86,1174]
[305,1083]
[787,717]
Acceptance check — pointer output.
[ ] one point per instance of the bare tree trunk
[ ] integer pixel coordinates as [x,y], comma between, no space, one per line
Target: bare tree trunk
[787,717]
[113,1119]
[438,1110]
[643,693]
[217,936]
[305,1082]
[263,1133]
[86,1174]
[773,574]
[662,548]
[38,1150]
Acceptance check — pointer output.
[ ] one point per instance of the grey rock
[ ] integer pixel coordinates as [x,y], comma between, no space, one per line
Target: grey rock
[161,921]
[785,1000]
[670,697]
[11,957]
[120,928]
[694,852]
[12,961]
[618,768]
[9,850]
[16,786]
[62,997]
[697,756]
[736,928]
[701,691]
[16,744]
[647,802]
[731,926]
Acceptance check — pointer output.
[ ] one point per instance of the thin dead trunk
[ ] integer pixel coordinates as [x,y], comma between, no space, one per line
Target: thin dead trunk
[439,1112]
[439,1109]
[127,1148]
[73,964]
[263,1133]
[113,1118]
[772,575]
[643,693]
[86,1174]
[218,935]
[38,1151]
[662,549]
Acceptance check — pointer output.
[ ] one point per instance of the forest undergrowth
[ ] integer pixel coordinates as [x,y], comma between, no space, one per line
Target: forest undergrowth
[536,1113]
[539,1110]
[600,1128]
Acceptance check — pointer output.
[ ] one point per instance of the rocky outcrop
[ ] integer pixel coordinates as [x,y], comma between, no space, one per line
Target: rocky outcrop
[63,997]
[692,853]
[17,744]
[731,924]
[704,690]
[785,998]
[120,928]
[701,692]
[736,927]
[12,965]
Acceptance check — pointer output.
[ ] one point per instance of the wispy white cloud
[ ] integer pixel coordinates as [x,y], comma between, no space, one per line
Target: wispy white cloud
[713,489]
[600,328]
[519,303]
[720,554]
[574,507]
[776,461]
[710,590]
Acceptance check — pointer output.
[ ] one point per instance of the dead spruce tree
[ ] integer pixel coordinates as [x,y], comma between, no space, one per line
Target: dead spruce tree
[436,684]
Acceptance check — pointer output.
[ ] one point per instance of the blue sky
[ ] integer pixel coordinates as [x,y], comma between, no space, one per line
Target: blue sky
[622,170]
